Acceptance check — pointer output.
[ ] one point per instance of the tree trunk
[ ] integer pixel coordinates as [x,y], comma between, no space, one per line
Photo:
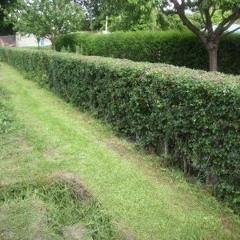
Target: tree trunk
[187,167]
[166,147]
[209,179]
[53,43]
[38,40]
[212,49]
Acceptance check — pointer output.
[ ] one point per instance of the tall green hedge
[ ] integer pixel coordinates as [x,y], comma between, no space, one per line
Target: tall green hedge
[191,115]
[171,47]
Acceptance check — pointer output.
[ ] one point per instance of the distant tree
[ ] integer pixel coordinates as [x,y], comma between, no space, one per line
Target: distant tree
[5,28]
[121,16]
[131,16]
[45,18]
[93,11]
[126,16]
[134,18]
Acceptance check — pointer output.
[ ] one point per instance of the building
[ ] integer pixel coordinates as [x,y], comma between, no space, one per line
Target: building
[19,40]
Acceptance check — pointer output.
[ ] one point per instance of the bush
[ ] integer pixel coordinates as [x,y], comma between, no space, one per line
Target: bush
[171,47]
[191,115]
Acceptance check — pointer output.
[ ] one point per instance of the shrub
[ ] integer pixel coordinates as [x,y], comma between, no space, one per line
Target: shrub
[191,115]
[171,47]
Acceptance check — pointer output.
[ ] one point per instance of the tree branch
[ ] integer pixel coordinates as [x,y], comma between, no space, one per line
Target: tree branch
[213,11]
[181,12]
[228,33]
[209,26]
[203,19]
[226,23]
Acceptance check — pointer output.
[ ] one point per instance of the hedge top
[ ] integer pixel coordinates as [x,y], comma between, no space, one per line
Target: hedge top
[171,47]
[145,68]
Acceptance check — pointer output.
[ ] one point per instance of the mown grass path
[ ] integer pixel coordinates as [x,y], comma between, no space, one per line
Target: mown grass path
[150,203]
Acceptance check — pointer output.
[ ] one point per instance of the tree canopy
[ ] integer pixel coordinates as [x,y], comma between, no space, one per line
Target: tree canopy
[227,11]
[208,19]
[199,16]
[45,18]
[126,15]
[5,28]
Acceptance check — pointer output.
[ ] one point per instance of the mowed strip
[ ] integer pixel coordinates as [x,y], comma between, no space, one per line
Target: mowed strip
[151,205]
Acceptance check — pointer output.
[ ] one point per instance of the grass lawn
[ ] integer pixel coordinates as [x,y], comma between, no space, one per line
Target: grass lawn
[142,200]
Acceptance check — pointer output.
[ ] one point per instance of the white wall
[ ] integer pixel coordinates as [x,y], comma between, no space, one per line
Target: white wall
[30,41]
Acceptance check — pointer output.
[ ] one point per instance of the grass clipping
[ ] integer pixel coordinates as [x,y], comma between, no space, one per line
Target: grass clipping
[42,210]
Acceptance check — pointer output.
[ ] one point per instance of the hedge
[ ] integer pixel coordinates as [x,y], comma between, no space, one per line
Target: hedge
[171,47]
[191,115]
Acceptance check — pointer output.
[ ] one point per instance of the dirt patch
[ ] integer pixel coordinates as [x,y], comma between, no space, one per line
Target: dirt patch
[15,146]
[79,189]
[121,150]
[53,151]
[76,232]
[76,184]
[55,154]
[125,232]
[59,154]
[229,224]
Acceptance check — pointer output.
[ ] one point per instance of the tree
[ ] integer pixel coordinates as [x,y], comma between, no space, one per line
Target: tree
[24,16]
[199,16]
[132,15]
[134,18]
[45,18]
[207,9]
[5,28]
[126,16]
[121,16]
[93,11]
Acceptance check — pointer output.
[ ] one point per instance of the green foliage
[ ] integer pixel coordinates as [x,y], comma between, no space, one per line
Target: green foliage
[45,18]
[222,9]
[5,29]
[200,22]
[172,47]
[126,16]
[95,12]
[192,115]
